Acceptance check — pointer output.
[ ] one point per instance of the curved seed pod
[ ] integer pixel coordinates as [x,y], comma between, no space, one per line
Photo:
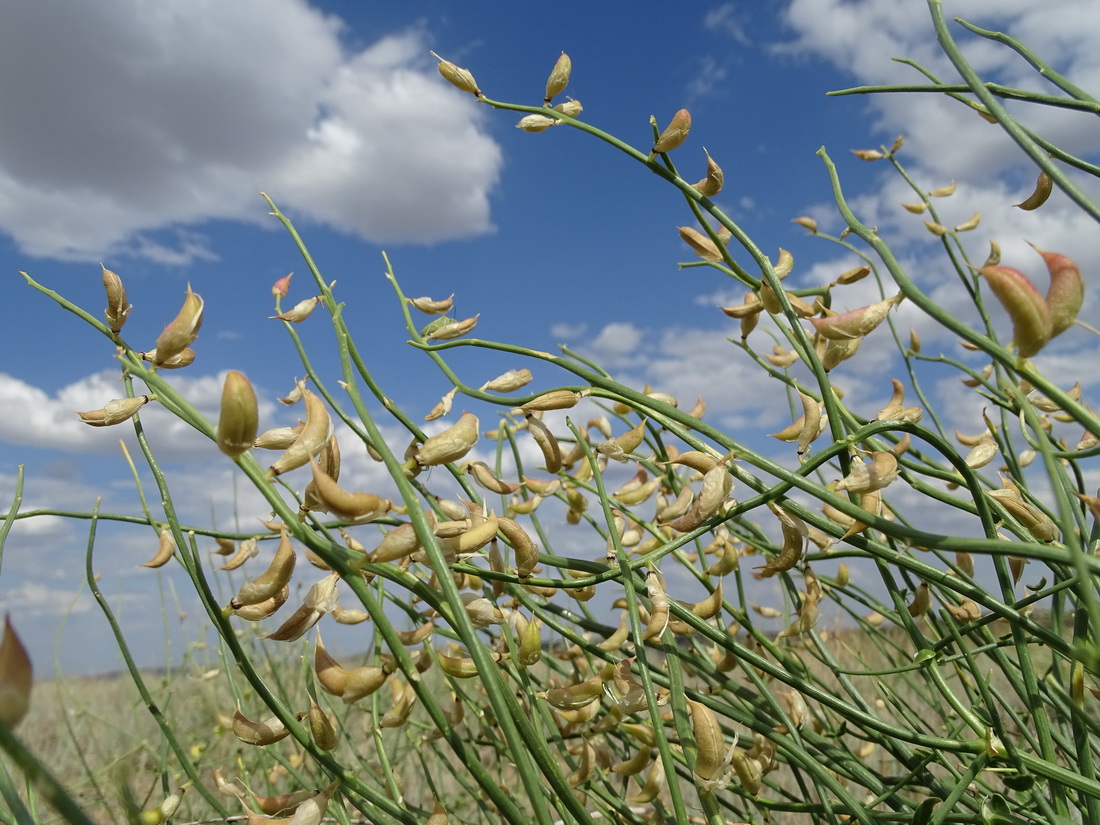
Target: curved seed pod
[654,783]
[1032,324]
[711,755]
[265,609]
[430,307]
[540,487]
[116,411]
[163,811]
[482,612]
[571,108]
[357,507]
[279,438]
[971,223]
[857,323]
[320,727]
[727,562]
[312,439]
[1066,292]
[416,636]
[658,619]
[481,531]
[794,543]
[451,444]
[300,311]
[166,548]
[320,599]
[448,331]
[459,667]
[443,407]
[16,677]
[398,543]
[620,447]
[922,601]
[332,678]
[184,358]
[749,309]
[283,803]
[118,308]
[982,453]
[559,77]
[509,381]
[700,244]
[637,489]
[363,681]
[709,607]
[183,330]
[1043,187]
[484,477]
[526,551]
[812,425]
[749,771]
[272,580]
[574,697]
[458,77]
[695,459]
[615,640]
[584,771]
[674,134]
[635,764]
[866,478]
[1034,520]
[258,733]
[239,417]
[349,616]
[547,443]
[717,484]
[712,184]
[247,549]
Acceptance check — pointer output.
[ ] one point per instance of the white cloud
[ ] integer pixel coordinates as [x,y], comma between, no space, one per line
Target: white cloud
[725,19]
[135,118]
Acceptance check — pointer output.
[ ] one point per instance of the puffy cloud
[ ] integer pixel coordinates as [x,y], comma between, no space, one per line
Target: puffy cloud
[133,118]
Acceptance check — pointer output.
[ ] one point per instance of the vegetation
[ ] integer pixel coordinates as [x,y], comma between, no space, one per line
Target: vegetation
[491,691]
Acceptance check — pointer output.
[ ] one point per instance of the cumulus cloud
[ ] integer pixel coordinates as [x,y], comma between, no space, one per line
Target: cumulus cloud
[132,124]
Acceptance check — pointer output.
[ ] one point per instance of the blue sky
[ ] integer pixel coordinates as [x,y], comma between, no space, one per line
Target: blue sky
[140,137]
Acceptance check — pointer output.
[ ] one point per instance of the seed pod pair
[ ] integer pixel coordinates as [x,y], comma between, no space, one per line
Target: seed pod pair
[272,580]
[310,441]
[182,331]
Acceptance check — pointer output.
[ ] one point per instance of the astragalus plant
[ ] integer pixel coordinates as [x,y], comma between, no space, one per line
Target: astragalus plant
[508,677]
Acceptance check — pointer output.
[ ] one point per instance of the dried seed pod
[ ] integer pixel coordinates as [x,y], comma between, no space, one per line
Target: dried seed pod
[700,244]
[320,727]
[249,548]
[184,358]
[272,580]
[183,330]
[658,619]
[712,184]
[1032,324]
[262,733]
[451,444]
[712,757]
[922,601]
[813,423]
[509,381]
[982,453]
[806,223]
[639,488]
[458,77]
[971,223]
[451,330]
[559,77]
[332,498]
[431,307]
[866,478]
[794,532]
[443,407]
[320,599]
[635,764]
[239,417]
[857,323]
[943,191]
[484,477]
[116,411]
[536,123]
[300,311]
[118,308]
[553,400]
[654,784]
[311,440]
[278,438]
[620,447]
[547,443]
[16,677]
[916,208]
[166,548]
[526,551]
[571,108]
[363,681]
[868,154]
[481,531]
[674,134]
[574,697]
[330,675]
[1043,187]
[584,771]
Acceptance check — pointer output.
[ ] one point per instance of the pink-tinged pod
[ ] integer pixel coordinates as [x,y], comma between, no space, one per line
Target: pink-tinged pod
[118,308]
[281,287]
[1066,292]
[1032,325]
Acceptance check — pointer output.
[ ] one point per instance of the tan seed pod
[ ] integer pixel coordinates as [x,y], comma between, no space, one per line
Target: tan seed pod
[700,244]
[320,727]
[806,223]
[525,549]
[330,675]
[430,307]
[398,543]
[1043,187]
[943,191]
[456,329]
[363,681]
[262,733]
[265,609]
[272,580]
[451,444]
[310,441]
[712,757]
[547,443]
[443,407]
[559,77]
[654,784]
[674,134]
[575,696]
[482,530]
[458,77]
[922,601]
[658,619]
[553,400]
[794,532]
[181,359]
[635,764]
[536,123]
[918,208]
[118,308]
[484,477]
[300,311]
[868,154]
[982,453]
[851,276]
[571,108]
[279,438]
[971,223]
[183,329]
[349,616]
[865,478]
[115,412]
[584,771]
[857,323]
[509,381]
[349,506]
[620,447]
[166,548]
[712,184]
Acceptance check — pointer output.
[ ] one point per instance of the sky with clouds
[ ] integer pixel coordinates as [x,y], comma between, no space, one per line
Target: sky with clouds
[139,135]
